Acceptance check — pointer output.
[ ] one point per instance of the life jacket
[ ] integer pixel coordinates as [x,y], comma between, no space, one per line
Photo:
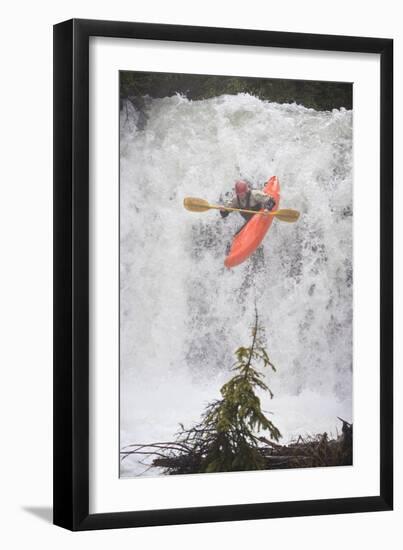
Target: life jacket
[255,208]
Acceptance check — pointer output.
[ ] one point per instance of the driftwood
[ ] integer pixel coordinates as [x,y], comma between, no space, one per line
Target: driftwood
[306,452]
[311,451]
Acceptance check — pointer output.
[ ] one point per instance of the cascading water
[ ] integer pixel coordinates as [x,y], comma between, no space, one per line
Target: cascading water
[183,313]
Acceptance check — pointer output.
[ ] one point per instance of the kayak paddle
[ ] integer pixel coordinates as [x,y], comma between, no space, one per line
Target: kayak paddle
[201,205]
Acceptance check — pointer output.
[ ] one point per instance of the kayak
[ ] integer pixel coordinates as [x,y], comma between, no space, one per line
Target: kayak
[249,238]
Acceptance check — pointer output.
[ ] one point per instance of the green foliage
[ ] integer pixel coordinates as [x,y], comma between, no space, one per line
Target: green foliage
[237,418]
[313,94]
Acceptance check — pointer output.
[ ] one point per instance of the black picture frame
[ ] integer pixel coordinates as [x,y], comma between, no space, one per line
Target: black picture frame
[71,274]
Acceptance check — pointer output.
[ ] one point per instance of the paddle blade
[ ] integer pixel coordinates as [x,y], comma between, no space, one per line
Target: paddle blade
[287,215]
[196,205]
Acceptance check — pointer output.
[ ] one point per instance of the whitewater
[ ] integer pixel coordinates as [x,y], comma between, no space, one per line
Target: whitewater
[182,313]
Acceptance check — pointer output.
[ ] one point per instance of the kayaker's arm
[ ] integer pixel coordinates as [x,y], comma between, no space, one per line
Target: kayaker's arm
[268,203]
[233,203]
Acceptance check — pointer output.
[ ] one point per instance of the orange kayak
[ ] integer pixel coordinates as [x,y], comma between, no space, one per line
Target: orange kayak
[250,237]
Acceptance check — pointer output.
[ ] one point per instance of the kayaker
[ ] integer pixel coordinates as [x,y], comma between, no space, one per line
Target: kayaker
[248,199]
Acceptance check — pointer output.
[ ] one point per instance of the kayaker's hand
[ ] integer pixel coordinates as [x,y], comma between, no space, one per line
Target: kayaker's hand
[270,204]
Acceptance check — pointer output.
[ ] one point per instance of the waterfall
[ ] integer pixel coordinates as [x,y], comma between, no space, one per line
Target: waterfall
[182,313]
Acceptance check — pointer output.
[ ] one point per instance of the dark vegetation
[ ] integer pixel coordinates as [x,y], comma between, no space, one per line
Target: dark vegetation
[227,437]
[322,96]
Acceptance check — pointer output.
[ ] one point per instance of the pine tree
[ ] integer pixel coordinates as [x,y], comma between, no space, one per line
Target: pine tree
[232,423]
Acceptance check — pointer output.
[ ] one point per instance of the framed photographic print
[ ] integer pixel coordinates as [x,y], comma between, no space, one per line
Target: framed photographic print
[223,254]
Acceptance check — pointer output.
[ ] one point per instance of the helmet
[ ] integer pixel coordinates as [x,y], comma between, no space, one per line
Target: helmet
[241,187]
